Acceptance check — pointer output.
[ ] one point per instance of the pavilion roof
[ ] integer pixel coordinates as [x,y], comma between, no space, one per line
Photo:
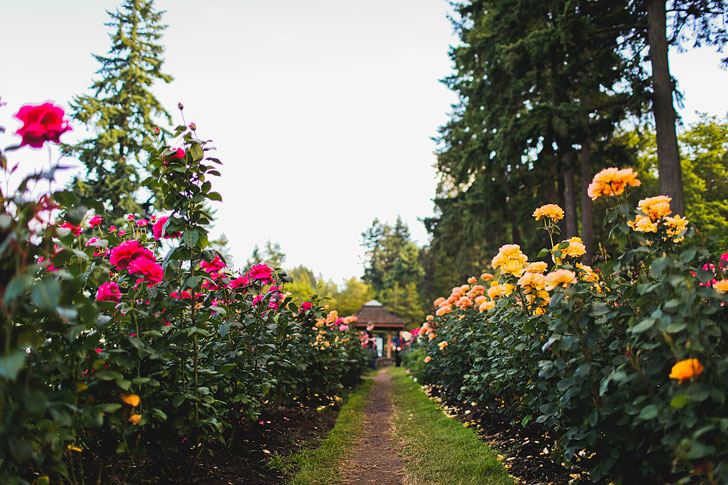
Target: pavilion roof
[375,312]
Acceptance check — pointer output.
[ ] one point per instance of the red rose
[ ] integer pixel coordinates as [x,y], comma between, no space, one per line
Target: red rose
[109,292]
[262,273]
[41,124]
[128,251]
[159,226]
[148,269]
[242,281]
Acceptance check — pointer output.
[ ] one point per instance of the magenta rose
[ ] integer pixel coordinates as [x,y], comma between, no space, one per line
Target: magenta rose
[128,251]
[150,271]
[41,124]
[262,273]
[237,282]
[306,305]
[159,226]
[212,267]
[108,292]
[95,221]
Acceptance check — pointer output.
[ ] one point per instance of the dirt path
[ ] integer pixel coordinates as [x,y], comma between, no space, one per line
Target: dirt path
[374,458]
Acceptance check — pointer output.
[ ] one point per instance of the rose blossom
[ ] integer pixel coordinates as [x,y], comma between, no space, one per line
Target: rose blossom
[151,272]
[213,267]
[95,221]
[158,227]
[128,251]
[108,292]
[262,273]
[41,124]
[242,281]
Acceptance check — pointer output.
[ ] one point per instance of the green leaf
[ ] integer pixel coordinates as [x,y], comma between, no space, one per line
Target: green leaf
[649,412]
[190,237]
[196,152]
[658,266]
[47,293]
[688,255]
[109,408]
[643,326]
[11,364]
[17,286]
[680,401]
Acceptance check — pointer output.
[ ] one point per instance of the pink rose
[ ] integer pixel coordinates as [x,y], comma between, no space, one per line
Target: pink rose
[242,281]
[306,305]
[158,227]
[108,292]
[150,271]
[74,229]
[212,267]
[41,124]
[93,240]
[178,154]
[95,221]
[262,273]
[127,252]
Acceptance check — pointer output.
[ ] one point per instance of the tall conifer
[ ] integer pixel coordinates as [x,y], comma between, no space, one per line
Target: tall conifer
[121,110]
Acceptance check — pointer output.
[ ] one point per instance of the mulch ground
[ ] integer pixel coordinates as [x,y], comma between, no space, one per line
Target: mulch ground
[374,458]
[277,432]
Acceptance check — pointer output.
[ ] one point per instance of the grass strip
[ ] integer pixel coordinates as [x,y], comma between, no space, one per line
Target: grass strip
[322,465]
[438,449]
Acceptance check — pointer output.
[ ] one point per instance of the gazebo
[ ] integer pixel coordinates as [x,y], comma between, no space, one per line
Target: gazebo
[384,322]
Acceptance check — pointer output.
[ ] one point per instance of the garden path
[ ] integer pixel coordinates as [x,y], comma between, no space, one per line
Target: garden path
[374,458]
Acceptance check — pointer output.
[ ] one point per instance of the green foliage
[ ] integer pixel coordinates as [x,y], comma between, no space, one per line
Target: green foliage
[349,299]
[704,150]
[592,359]
[178,355]
[122,112]
[393,269]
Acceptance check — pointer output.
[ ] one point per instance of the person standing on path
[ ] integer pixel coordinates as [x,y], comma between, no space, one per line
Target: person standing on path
[371,344]
[397,344]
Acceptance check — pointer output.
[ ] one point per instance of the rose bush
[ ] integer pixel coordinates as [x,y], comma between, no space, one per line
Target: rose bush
[624,364]
[124,340]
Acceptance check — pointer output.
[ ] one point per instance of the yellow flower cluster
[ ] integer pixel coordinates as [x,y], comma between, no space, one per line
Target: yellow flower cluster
[510,260]
[533,285]
[612,181]
[575,249]
[560,277]
[657,210]
[549,211]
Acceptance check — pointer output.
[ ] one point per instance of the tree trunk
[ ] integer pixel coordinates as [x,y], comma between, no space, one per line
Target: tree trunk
[570,216]
[587,214]
[668,155]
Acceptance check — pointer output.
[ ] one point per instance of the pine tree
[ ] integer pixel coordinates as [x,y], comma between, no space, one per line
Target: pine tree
[121,110]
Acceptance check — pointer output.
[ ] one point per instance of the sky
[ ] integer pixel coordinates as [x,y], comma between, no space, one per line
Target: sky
[322,111]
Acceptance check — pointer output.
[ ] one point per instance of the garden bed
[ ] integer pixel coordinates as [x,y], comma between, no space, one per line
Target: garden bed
[251,457]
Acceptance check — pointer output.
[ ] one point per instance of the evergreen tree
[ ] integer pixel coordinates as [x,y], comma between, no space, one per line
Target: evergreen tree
[121,110]
[393,269]
[541,86]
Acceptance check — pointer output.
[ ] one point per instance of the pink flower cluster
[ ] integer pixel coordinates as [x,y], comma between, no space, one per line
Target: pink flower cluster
[131,255]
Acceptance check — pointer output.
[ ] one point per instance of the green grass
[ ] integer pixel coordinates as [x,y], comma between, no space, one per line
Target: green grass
[438,449]
[322,466]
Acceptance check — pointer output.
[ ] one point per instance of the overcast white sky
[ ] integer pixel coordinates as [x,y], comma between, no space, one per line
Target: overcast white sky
[322,110]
